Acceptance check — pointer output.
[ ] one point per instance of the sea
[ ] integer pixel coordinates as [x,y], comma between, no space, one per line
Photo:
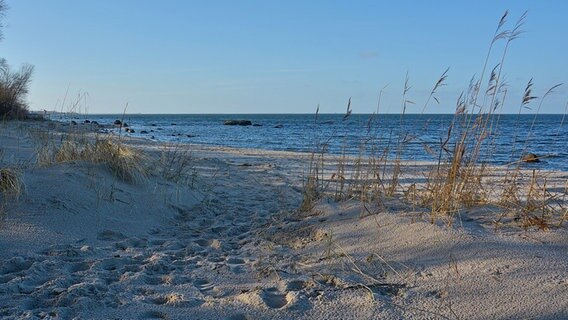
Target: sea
[422,137]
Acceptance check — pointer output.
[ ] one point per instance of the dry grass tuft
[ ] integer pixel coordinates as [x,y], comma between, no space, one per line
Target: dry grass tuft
[125,163]
[176,164]
[11,183]
[460,178]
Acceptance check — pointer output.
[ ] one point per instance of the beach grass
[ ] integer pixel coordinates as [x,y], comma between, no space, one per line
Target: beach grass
[11,187]
[460,177]
[11,183]
[127,164]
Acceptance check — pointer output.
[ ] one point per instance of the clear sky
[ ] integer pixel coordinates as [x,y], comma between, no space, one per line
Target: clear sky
[277,56]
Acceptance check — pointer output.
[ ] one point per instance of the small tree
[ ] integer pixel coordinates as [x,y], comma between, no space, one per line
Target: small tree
[14,86]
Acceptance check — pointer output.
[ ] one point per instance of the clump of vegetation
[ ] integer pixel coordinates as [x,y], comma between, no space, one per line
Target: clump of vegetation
[10,182]
[460,178]
[124,162]
[14,85]
[11,187]
[175,163]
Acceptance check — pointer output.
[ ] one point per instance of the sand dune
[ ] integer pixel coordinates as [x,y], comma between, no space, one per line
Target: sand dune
[228,243]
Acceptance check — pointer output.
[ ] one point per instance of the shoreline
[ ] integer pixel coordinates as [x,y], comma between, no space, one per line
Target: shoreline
[209,130]
[227,242]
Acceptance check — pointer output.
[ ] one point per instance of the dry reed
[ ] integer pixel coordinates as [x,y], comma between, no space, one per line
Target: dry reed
[461,178]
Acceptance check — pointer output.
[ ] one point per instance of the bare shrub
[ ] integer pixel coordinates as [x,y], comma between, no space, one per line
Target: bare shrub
[14,86]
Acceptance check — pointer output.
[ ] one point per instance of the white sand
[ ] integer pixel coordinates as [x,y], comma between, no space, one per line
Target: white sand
[228,245]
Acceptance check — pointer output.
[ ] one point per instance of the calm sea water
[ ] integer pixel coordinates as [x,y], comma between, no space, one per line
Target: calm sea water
[303,132]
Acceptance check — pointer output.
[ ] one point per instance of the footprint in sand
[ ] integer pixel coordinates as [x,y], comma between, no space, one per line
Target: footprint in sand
[215,259]
[236,265]
[296,285]
[153,314]
[6,278]
[235,261]
[137,242]
[388,289]
[208,288]
[109,235]
[239,316]
[112,264]
[155,231]
[239,232]
[131,268]
[218,229]
[274,299]
[203,285]
[205,223]
[211,243]
[175,299]
[79,267]
[172,298]
[32,283]
[153,281]
[16,264]
[35,303]
[158,269]
[157,242]
[67,251]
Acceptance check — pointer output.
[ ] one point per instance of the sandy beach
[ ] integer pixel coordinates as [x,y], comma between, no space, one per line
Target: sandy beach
[222,238]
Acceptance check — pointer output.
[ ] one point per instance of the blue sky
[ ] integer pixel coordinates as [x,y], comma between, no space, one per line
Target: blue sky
[276,56]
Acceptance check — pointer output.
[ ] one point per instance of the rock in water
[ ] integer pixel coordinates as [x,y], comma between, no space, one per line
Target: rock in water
[237,122]
[117,122]
[530,157]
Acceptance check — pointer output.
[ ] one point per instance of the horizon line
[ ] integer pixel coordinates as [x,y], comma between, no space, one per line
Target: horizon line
[280,113]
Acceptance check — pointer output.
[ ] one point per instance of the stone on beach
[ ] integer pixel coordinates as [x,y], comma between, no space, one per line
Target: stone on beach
[237,122]
[530,157]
